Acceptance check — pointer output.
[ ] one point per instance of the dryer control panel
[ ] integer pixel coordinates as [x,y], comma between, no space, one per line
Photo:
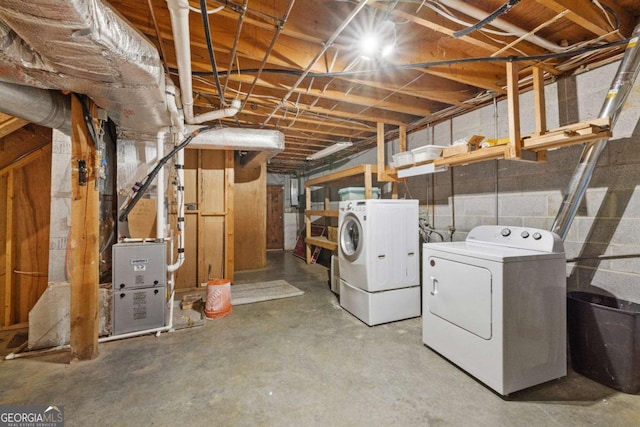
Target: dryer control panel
[517,237]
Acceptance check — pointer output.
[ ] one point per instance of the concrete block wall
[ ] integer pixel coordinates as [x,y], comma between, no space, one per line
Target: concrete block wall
[529,194]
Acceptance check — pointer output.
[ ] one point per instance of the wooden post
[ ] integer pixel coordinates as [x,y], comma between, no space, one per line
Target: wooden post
[368,182]
[513,101]
[402,137]
[84,239]
[229,247]
[307,223]
[8,267]
[380,153]
[540,109]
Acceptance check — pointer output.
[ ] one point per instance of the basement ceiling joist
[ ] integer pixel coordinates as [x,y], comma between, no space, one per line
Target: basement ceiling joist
[434,72]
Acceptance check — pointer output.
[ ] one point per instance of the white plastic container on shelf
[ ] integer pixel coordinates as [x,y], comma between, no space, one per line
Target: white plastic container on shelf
[357,193]
[401,159]
[426,152]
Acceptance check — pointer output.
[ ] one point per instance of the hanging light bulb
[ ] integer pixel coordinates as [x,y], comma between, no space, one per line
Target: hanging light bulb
[380,42]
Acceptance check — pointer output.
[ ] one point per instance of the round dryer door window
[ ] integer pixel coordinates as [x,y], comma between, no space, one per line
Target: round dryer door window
[351,238]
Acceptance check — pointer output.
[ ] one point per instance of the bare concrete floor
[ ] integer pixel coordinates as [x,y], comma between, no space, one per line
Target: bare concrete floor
[294,362]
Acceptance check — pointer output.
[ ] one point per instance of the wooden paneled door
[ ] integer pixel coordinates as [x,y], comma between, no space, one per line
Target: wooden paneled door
[275,215]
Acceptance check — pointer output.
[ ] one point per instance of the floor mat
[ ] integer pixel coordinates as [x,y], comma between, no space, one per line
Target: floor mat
[247,293]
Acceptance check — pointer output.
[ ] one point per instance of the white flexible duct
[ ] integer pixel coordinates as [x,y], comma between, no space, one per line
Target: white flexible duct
[88,49]
[480,14]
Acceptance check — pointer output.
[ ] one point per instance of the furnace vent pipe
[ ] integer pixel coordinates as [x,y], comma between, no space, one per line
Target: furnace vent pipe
[616,97]
[179,12]
[40,106]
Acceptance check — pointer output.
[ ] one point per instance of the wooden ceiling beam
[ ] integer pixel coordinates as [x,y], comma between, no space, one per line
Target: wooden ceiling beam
[590,17]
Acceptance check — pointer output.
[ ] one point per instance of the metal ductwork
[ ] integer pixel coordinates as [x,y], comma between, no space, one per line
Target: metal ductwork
[40,106]
[616,97]
[87,49]
[261,143]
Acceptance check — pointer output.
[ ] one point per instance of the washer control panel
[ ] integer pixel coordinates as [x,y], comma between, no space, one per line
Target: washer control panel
[517,237]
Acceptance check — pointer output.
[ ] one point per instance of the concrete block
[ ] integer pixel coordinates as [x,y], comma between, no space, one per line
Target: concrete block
[524,204]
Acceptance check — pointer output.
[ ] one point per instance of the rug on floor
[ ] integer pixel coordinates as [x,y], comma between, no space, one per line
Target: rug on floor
[247,293]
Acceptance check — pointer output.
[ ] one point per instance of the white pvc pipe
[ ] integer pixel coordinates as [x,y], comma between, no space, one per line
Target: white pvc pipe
[180,170]
[480,14]
[179,11]
[218,114]
[160,196]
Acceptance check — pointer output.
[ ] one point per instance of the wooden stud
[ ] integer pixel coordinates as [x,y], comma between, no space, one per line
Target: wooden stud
[367,181]
[402,138]
[229,248]
[539,101]
[8,268]
[380,147]
[307,223]
[84,242]
[513,101]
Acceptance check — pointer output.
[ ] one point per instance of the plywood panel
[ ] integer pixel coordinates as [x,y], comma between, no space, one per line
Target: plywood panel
[31,208]
[191,177]
[21,142]
[211,248]
[250,201]
[212,181]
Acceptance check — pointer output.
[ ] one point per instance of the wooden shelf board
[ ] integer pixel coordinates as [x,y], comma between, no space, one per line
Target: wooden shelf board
[489,153]
[323,242]
[341,175]
[331,213]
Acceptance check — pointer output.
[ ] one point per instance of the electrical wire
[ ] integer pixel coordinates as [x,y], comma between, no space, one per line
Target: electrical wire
[532,58]
[140,188]
[212,57]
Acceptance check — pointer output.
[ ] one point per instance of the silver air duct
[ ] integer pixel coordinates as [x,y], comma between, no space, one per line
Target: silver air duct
[40,106]
[616,97]
[263,144]
[86,48]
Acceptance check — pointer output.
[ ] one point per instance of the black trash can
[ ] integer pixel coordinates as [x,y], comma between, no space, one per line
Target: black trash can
[604,339]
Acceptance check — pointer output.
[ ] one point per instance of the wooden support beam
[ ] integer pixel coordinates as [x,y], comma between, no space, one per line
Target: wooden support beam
[402,138]
[10,125]
[229,222]
[513,104]
[367,181]
[84,239]
[8,253]
[380,147]
[539,101]
[307,223]
[540,109]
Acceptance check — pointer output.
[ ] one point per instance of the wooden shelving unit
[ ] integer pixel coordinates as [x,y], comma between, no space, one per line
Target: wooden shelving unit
[521,148]
[357,174]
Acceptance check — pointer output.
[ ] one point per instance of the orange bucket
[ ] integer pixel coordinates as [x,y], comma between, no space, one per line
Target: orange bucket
[218,298]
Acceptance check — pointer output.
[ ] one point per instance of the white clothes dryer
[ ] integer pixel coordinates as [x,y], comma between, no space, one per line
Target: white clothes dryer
[378,254]
[495,305]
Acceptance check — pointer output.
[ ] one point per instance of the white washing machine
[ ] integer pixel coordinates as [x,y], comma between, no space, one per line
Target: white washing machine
[495,305]
[378,254]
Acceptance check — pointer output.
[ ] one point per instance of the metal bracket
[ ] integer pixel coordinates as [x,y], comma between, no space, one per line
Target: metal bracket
[82,172]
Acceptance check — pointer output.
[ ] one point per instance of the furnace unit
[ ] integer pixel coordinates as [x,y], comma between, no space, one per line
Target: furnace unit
[139,286]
